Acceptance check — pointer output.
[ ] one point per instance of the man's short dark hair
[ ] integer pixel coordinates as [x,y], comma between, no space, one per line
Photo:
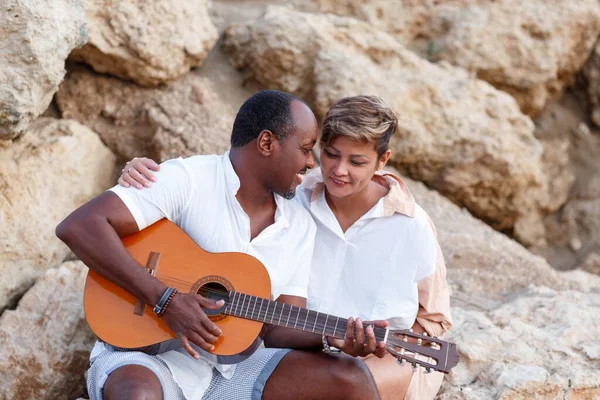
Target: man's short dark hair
[265,110]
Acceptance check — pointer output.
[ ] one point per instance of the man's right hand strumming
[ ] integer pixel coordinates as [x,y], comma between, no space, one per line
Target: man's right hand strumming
[189,322]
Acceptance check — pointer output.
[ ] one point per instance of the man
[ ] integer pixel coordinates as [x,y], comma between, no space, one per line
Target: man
[234,202]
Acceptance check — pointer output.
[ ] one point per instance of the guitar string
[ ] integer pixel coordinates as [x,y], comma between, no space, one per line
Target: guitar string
[220,295]
[317,327]
[225,296]
[321,327]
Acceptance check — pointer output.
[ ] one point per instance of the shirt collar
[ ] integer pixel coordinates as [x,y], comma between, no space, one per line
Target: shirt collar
[233,185]
[398,200]
[233,181]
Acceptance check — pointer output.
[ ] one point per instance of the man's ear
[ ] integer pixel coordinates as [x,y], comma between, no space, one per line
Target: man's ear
[266,142]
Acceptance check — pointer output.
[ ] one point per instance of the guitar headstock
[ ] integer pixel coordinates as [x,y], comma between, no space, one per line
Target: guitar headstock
[428,351]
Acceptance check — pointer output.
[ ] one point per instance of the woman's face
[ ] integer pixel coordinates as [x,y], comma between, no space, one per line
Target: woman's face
[348,166]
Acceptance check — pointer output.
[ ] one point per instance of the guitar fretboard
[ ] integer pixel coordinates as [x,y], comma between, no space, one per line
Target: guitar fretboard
[281,314]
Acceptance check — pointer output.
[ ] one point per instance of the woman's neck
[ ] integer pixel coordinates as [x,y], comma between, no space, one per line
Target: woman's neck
[351,203]
[349,209]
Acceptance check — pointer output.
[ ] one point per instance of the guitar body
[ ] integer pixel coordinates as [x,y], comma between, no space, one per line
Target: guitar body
[119,319]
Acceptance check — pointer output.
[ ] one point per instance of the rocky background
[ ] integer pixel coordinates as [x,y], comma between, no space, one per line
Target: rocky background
[499,139]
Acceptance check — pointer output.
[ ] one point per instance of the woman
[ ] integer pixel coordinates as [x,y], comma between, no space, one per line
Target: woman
[376,254]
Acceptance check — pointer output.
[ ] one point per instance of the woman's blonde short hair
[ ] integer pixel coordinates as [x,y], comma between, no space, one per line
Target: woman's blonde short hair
[365,119]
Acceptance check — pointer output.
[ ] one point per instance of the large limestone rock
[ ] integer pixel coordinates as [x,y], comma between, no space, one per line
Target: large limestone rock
[573,232]
[148,42]
[456,133]
[592,263]
[543,344]
[36,37]
[45,342]
[530,49]
[44,175]
[523,329]
[590,75]
[485,266]
[406,20]
[183,119]
[578,223]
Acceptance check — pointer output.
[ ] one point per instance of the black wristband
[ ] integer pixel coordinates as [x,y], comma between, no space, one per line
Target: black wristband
[158,308]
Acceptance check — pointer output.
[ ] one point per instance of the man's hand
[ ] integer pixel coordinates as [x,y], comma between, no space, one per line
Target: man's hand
[187,320]
[355,345]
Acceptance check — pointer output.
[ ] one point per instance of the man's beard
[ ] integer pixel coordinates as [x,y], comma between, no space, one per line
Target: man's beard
[289,194]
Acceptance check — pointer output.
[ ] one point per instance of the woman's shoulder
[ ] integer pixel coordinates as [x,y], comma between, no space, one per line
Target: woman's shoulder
[313,181]
[303,197]
[423,218]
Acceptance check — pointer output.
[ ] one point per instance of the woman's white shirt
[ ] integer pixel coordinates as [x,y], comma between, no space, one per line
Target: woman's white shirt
[371,270]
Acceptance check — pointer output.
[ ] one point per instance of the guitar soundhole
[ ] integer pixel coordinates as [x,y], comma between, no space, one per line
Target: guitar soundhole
[214,291]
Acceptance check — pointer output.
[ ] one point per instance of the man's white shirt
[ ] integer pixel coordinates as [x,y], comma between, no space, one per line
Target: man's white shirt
[198,194]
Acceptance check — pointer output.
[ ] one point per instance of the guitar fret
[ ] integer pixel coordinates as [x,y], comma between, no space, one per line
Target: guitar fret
[325,325]
[241,312]
[335,327]
[234,303]
[253,307]
[282,309]
[267,310]
[305,319]
[227,309]
[243,301]
[287,323]
[315,324]
[274,309]
[248,306]
[295,323]
[260,308]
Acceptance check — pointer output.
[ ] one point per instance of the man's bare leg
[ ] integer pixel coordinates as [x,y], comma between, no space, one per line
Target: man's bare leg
[315,375]
[132,382]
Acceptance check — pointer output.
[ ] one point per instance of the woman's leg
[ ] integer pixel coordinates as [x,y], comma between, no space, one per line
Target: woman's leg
[392,379]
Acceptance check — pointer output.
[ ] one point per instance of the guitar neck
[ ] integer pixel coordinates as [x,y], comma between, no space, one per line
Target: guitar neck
[271,312]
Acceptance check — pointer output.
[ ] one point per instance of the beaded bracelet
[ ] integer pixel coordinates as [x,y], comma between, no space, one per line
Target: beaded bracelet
[167,303]
[160,307]
[328,349]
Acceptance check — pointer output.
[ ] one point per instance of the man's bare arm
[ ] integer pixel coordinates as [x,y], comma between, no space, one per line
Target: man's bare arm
[93,232]
[281,337]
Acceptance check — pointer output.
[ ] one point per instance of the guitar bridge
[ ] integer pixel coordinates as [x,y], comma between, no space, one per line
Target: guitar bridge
[151,265]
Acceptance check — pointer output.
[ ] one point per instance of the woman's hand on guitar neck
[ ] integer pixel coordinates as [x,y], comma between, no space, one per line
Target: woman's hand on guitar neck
[138,173]
[354,343]
[187,320]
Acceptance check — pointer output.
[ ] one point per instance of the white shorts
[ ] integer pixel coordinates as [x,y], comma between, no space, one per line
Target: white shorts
[247,383]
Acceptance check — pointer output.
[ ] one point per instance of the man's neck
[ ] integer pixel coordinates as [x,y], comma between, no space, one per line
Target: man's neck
[252,195]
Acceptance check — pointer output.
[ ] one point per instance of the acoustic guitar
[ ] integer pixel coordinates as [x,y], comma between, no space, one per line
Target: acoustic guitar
[121,320]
